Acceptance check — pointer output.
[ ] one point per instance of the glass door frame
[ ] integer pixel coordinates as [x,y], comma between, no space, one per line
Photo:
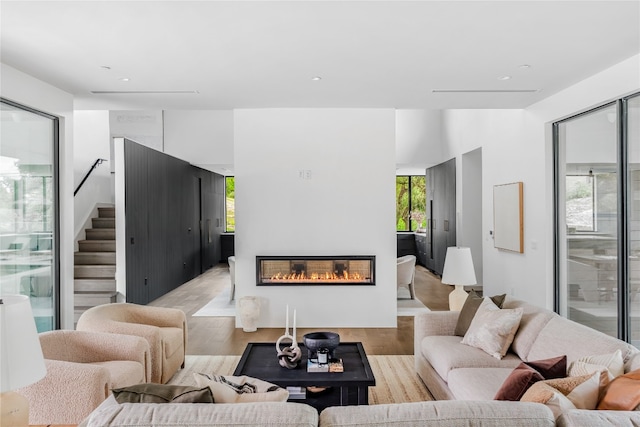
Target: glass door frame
[56,202]
[623,213]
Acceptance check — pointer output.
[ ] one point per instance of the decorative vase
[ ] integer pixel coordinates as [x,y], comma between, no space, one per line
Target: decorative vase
[249,308]
[314,341]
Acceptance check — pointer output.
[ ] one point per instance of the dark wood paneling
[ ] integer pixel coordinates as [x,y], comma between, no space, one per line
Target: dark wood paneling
[441,213]
[137,234]
[167,203]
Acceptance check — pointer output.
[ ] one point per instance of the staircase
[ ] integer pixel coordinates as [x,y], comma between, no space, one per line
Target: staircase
[95,264]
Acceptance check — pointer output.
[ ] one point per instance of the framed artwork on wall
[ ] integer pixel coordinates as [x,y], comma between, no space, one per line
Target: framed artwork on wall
[508,226]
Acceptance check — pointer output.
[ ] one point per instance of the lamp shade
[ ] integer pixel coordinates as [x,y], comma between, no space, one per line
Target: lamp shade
[21,360]
[458,267]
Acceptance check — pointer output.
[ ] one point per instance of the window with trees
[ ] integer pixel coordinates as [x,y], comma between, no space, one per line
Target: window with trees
[411,203]
[230,191]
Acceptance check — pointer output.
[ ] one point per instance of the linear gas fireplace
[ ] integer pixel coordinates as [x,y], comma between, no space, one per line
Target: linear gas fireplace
[315,270]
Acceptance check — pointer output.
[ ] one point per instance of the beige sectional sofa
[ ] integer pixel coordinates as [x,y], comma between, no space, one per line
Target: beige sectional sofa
[286,414]
[463,379]
[452,370]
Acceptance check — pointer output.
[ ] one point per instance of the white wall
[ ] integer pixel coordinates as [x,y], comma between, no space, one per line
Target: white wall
[517,146]
[201,137]
[91,133]
[418,140]
[469,229]
[346,208]
[143,126]
[24,89]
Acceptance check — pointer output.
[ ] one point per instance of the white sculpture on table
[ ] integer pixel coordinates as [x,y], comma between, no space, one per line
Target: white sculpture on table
[289,356]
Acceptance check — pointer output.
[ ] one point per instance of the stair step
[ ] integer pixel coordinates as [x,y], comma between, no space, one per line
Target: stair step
[106,212]
[100,233]
[103,222]
[97,245]
[94,285]
[94,258]
[94,271]
[91,299]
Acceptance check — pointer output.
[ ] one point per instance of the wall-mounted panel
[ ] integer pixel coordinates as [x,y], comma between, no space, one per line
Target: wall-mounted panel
[507,217]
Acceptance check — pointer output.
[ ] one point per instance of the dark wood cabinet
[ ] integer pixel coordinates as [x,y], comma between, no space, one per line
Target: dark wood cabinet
[172,221]
[441,213]
[227,242]
[406,244]
[421,248]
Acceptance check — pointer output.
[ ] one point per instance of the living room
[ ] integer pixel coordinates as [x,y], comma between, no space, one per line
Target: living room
[353,146]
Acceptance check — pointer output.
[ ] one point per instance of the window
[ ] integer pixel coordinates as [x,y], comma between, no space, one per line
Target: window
[28,210]
[580,202]
[410,203]
[230,194]
[597,246]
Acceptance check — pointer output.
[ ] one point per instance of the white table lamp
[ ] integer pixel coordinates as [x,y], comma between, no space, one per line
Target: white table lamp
[458,270]
[21,360]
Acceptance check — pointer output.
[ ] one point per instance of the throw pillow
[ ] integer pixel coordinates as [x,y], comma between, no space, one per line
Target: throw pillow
[555,367]
[582,391]
[623,393]
[469,309]
[162,393]
[613,363]
[518,382]
[230,389]
[549,396]
[528,373]
[492,329]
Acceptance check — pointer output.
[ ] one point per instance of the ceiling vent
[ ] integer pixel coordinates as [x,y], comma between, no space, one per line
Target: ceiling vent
[143,92]
[484,90]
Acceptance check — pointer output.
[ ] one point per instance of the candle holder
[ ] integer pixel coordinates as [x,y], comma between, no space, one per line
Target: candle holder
[289,356]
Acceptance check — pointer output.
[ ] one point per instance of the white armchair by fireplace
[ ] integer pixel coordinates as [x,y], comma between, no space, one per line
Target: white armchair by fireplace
[232,275]
[406,271]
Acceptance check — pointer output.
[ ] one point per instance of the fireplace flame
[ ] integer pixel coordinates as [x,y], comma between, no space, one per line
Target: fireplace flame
[323,277]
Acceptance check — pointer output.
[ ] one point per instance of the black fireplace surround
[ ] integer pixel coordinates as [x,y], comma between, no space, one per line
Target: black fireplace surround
[315,270]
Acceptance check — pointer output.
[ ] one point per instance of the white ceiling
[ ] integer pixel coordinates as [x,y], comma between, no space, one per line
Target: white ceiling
[387,54]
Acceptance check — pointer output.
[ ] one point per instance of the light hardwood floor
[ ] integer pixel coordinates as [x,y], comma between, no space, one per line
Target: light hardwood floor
[219,336]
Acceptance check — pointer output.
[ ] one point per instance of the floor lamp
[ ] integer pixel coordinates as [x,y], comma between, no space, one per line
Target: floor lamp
[21,360]
[458,270]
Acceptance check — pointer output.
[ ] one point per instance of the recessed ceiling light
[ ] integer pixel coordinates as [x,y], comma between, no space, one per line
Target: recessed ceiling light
[316,78]
[124,79]
[525,66]
[106,67]
[504,78]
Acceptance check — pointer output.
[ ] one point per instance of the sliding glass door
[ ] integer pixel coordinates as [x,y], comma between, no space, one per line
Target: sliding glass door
[28,210]
[597,183]
[632,113]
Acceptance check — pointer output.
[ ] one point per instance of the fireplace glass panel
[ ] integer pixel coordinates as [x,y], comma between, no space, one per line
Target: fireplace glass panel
[315,270]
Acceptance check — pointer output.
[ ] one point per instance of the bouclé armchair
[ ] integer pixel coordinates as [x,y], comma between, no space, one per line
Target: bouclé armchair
[82,368]
[165,329]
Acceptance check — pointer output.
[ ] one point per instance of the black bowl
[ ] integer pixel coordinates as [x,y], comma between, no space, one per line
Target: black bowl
[317,340]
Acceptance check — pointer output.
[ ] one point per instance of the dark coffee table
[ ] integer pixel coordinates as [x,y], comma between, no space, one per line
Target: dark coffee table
[350,387]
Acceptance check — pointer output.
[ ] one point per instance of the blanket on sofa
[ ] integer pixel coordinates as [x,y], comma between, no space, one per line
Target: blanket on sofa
[396,378]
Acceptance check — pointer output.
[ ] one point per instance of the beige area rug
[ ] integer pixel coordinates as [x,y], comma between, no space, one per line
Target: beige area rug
[408,306]
[219,306]
[396,379]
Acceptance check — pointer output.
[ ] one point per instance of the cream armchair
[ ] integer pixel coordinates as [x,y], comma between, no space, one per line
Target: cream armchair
[165,329]
[82,368]
[405,273]
[232,275]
